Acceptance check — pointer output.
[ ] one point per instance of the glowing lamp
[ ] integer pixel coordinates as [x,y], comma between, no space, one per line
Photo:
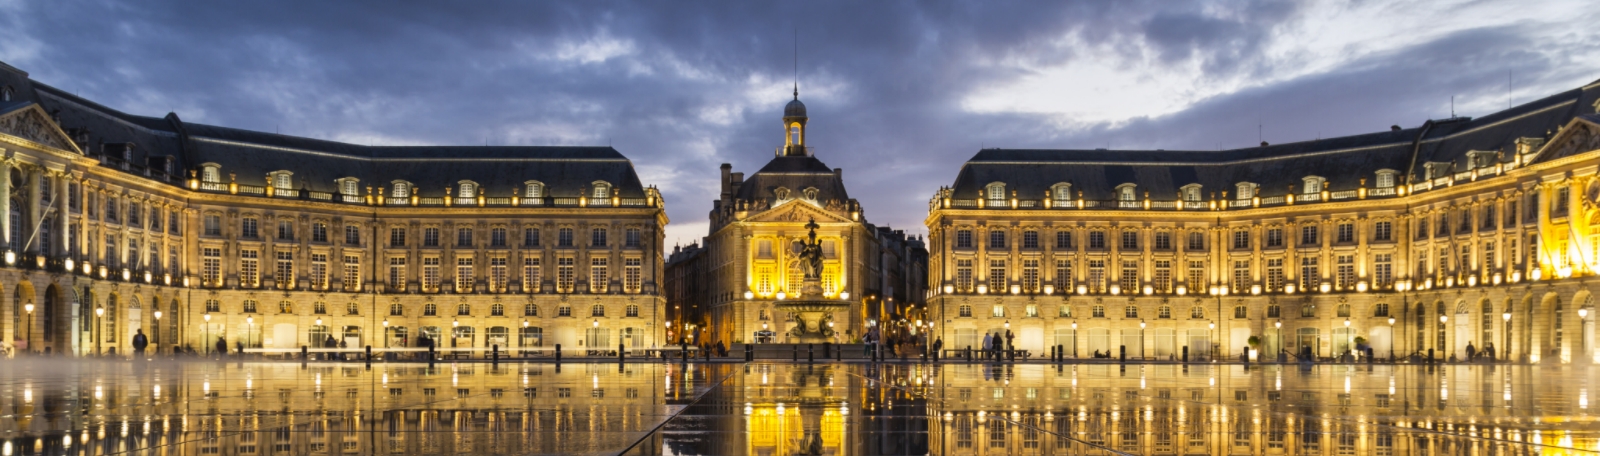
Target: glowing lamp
[1288,289]
[70,265]
[1083,289]
[983,289]
[947,289]
[1326,287]
[1049,290]
[1255,289]
[1361,287]
[782,295]
[1016,289]
[1115,289]
[1182,290]
[844,295]
[749,295]
[1148,290]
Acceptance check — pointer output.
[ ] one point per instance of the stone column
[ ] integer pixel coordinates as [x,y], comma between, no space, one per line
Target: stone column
[63,217]
[5,204]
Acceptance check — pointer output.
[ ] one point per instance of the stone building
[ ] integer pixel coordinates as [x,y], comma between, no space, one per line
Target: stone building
[686,288]
[117,223]
[756,227]
[1459,231]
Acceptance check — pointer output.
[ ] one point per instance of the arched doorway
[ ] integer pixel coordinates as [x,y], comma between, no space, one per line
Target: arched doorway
[1462,334]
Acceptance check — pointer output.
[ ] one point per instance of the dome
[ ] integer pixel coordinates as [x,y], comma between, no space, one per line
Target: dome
[795,109]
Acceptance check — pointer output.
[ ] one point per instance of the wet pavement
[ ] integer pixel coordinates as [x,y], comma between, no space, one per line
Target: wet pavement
[89,407]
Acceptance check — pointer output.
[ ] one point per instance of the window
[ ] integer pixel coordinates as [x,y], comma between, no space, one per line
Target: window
[1488,256]
[498,275]
[352,272]
[1030,239]
[1559,204]
[285,230]
[211,266]
[1163,240]
[564,237]
[997,238]
[1064,311]
[1422,228]
[1197,240]
[1064,239]
[1097,239]
[565,273]
[352,235]
[1274,311]
[111,209]
[352,309]
[1313,184]
[111,243]
[1380,310]
[497,237]
[1309,277]
[464,277]
[1308,236]
[1241,276]
[997,276]
[530,237]
[397,237]
[1129,280]
[1382,270]
[463,237]
[597,311]
[1444,225]
[1383,231]
[133,208]
[1465,224]
[1063,282]
[249,268]
[599,275]
[1030,275]
[966,310]
[430,274]
[632,274]
[248,228]
[602,190]
[563,311]
[1097,312]
[997,193]
[534,190]
[964,274]
[285,270]
[1163,276]
[1164,312]
[530,310]
[430,237]
[531,276]
[963,239]
[1346,272]
[1241,239]
[1130,311]
[597,237]
[397,273]
[468,190]
[1097,276]
[1346,233]
[1245,190]
[319,270]
[1308,311]
[463,309]
[1488,217]
[1197,275]
[319,232]
[1274,237]
[213,306]
[430,310]
[998,311]
[1241,312]
[631,238]
[1385,179]
[1130,240]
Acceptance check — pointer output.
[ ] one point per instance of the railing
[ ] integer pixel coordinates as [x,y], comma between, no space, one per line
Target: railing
[1270,200]
[497,201]
[1308,197]
[533,202]
[434,201]
[565,201]
[219,187]
[398,201]
[213,186]
[1385,191]
[1347,194]
[321,196]
[633,202]
[252,190]
[352,199]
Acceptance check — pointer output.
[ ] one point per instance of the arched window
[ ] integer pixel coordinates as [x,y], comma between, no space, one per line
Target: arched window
[430,309]
[464,309]
[1343,311]
[1164,312]
[632,310]
[467,190]
[5,94]
[966,310]
[284,307]
[401,190]
[349,186]
[1308,311]
[1127,192]
[211,173]
[352,309]
[1381,310]
[597,311]
[1386,178]
[1241,312]
[1061,193]
[794,133]
[1313,184]
[397,310]
[497,310]
[999,311]
[1245,190]
[1130,312]
[1197,313]
[602,189]
[1191,193]
[530,310]
[281,179]
[535,190]
[213,306]
[1065,311]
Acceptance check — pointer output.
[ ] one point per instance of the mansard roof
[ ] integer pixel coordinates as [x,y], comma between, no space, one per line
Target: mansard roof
[1344,161]
[795,173]
[316,163]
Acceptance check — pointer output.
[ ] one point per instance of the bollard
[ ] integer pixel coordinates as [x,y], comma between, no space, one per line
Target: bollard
[811,353]
[969,354]
[827,347]
[749,353]
[708,354]
[925,354]
[431,355]
[838,355]
[1185,353]
[1012,351]
[494,353]
[369,356]
[683,352]
[558,356]
[303,357]
[902,354]
[622,355]
[1122,355]
[794,352]
[935,356]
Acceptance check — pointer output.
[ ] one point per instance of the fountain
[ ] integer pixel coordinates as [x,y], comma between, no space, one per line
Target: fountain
[812,310]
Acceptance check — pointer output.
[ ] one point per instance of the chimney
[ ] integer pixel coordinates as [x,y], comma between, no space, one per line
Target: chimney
[838,173]
[1394,128]
[1263,144]
[726,169]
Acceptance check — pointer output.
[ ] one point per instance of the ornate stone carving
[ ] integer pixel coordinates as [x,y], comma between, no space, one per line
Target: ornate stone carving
[33,126]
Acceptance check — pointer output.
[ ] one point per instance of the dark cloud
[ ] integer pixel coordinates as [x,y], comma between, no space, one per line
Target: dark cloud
[683,86]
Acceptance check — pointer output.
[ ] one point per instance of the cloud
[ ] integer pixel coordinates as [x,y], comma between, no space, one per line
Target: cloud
[901,93]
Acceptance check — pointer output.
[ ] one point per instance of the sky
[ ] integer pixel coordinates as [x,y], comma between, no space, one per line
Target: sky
[900,93]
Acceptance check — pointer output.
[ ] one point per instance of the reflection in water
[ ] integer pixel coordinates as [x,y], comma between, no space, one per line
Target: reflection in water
[791,409]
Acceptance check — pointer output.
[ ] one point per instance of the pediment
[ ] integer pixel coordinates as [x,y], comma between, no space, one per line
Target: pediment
[1580,136]
[30,122]
[798,211]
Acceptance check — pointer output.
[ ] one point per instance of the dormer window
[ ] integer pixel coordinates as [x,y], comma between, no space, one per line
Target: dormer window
[281,179]
[211,173]
[1386,178]
[467,189]
[602,190]
[1125,192]
[996,192]
[1245,190]
[1436,170]
[1061,193]
[1314,184]
[1481,159]
[402,189]
[535,189]
[782,193]
[1191,193]
[349,186]
[5,94]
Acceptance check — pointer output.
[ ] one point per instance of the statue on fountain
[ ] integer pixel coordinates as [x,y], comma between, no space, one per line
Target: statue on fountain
[811,310]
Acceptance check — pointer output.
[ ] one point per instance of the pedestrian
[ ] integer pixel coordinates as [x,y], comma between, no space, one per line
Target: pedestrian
[222,347]
[1472,352]
[938,346]
[988,344]
[139,342]
[1009,345]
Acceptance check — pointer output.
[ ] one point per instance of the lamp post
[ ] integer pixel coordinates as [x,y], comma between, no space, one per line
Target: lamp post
[1391,339]
[1141,339]
[157,333]
[98,313]
[386,336]
[1583,331]
[1074,339]
[29,335]
[455,326]
[1350,340]
[521,338]
[206,344]
[1442,320]
[250,331]
[1278,326]
[1506,337]
[1211,332]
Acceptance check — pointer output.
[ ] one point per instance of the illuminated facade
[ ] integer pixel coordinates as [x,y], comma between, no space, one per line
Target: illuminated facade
[190,232]
[1460,231]
[756,227]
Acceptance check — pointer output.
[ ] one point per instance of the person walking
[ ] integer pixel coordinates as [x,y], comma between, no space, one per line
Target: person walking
[988,344]
[139,343]
[222,347]
[1472,352]
[1009,345]
[938,346]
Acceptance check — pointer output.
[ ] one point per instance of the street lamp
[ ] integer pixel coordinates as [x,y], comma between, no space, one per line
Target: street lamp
[1141,339]
[1507,336]
[1278,325]
[1391,339]
[1350,341]
[520,337]
[386,336]
[98,312]
[207,343]
[455,328]
[1074,339]
[250,330]
[29,335]
[157,332]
